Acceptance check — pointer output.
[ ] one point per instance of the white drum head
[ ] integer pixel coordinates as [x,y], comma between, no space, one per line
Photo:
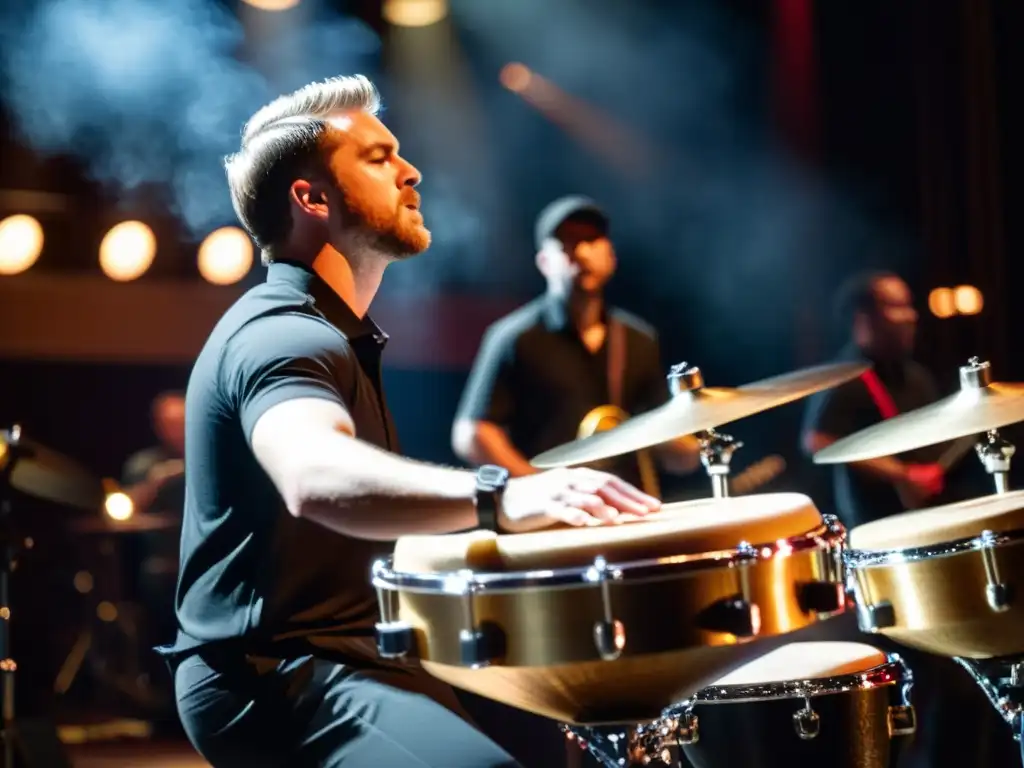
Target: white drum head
[806,661]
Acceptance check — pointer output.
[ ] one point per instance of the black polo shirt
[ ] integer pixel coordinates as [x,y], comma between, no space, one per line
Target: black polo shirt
[859,497]
[534,377]
[250,571]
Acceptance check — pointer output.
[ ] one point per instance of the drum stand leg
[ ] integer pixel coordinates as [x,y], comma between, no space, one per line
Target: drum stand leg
[716,450]
[995,453]
[1002,681]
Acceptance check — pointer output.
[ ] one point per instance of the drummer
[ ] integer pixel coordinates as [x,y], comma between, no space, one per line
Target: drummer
[877,310]
[293,483]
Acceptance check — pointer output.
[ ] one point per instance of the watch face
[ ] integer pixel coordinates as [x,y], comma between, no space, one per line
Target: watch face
[492,475]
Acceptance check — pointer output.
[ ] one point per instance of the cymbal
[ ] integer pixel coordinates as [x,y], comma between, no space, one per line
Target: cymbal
[46,474]
[696,408]
[981,405]
[137,523]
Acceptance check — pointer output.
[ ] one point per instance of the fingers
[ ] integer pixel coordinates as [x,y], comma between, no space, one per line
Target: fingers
[573,516]
[614,491]
[592,504]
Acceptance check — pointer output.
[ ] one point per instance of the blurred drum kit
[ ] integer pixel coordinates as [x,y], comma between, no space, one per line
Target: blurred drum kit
[681,634]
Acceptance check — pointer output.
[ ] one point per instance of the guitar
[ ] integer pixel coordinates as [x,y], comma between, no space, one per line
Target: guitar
[949,459]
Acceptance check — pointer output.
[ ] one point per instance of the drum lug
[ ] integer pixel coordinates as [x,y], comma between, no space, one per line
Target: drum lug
[821,597]
[688,728]
[998,594]
[902,720]
[481,644]
[609,633]
[395,639]
[479,647]
[806,722]
[873,618]
[732,615]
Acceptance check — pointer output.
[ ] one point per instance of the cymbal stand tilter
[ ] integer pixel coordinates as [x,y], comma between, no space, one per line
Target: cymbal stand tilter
[716,450]
[1002,681]
[993,450]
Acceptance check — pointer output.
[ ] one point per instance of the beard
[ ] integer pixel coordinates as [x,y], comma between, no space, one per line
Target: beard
[398,233]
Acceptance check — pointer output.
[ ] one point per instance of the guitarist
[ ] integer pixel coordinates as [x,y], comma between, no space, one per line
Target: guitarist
[544,367]
[877,309]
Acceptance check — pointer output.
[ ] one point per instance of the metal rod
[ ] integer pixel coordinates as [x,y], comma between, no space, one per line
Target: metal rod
[1002,481]
[720,485]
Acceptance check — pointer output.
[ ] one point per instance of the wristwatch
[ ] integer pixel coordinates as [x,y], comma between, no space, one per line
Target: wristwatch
[490,488]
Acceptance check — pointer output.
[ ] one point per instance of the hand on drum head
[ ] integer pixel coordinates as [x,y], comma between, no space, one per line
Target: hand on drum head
[579,497]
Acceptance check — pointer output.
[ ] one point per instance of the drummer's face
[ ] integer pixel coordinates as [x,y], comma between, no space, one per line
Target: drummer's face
[896,316]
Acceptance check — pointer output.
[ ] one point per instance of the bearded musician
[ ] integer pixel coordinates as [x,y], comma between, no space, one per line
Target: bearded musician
[566,360]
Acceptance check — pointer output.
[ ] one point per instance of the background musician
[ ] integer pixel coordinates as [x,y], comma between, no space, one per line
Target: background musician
[543,368]
[877,311]
[154,478]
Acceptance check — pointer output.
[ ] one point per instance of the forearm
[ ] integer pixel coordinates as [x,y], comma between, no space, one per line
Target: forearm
[887,468]
[487,443]
[359,490]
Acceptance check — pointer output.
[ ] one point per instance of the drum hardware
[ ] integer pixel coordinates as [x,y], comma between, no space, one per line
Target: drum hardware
[662,740]
[1002,681]
[981,407]
[694,409]
[716,451]
[550,623]
[609,633]
[28,467]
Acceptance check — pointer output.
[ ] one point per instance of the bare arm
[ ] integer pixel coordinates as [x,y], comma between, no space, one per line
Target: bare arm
[887,468]
[145,492]
[680,456]
[324,473]
[483,442]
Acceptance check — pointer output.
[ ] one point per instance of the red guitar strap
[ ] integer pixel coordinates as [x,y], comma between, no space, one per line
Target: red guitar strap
[883,400]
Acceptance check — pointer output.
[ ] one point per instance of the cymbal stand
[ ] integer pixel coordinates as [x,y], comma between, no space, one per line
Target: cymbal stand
[9,545]
[995,453]
[1002,681]
[716,450]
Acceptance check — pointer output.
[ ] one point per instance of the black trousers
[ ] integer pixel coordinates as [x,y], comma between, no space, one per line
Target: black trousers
[258,712]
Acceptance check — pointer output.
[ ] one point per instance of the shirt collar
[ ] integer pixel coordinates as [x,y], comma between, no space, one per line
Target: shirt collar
[556,312]
[324,300]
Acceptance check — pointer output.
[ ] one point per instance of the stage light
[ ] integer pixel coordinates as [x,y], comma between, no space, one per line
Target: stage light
[225,256]
[127,251]
[940,302]
[515,76]
[119,506]
[414,13]
[272,5]
[21,242]
[968,300]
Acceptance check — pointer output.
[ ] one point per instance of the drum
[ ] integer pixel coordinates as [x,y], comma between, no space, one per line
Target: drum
[845,705]
[944,580]
[614,623]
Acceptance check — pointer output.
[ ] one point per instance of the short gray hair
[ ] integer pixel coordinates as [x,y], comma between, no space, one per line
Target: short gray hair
[281,141]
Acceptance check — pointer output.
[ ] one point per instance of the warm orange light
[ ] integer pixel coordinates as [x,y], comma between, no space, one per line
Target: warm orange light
[127,251]
[21,242]
[225,256]
[414,13]
[940,302]
[119,506]
[515,76]
[272,5]
[968,300]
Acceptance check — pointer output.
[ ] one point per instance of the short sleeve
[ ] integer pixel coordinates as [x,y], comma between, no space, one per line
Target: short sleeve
[284,357]
[137,468]
[489,394]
